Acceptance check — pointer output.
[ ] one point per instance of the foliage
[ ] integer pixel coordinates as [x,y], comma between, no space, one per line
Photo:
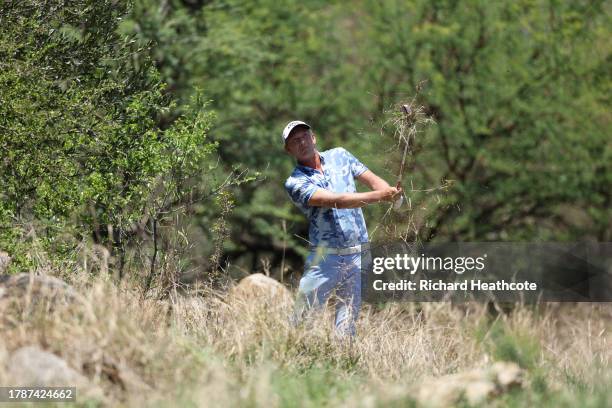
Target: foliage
[519,93]
[81,145]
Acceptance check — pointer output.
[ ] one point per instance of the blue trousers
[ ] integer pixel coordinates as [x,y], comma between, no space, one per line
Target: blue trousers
[322,274]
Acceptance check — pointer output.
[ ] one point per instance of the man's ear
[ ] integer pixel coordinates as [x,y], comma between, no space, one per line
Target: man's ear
[314,139]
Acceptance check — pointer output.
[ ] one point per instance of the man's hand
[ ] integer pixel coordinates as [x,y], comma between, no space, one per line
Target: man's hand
[390,193]
[376,183]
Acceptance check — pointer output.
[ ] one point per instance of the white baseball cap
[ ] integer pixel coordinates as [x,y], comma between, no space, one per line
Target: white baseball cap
[290,126]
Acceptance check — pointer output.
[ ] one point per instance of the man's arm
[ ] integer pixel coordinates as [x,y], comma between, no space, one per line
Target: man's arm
[325,198]
[372,180]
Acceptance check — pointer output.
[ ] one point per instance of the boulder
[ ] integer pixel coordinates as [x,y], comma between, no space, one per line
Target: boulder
[508,374]
[4,356]
[5,261]
[38,286]
[259,284]
[474,386]
[259,287]
[31,366]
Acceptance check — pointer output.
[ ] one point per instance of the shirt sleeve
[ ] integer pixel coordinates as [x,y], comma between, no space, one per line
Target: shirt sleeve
[357,167]
[300,190]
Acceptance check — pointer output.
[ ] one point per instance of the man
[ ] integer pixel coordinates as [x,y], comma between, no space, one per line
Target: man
[322,186]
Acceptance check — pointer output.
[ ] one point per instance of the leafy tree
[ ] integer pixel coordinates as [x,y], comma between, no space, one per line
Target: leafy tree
[519,92]
[79,106]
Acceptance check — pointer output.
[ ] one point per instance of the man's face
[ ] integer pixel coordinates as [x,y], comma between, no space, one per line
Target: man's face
[301,144]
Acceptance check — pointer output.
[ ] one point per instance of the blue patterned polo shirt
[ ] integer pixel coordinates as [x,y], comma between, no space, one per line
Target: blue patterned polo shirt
[330,227]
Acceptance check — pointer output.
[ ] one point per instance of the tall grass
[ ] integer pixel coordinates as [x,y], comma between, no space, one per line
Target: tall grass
[215,349]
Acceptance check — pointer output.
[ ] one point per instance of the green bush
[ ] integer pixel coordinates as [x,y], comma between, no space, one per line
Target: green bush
[84,151]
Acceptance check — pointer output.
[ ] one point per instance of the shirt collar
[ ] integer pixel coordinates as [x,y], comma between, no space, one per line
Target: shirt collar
[310,169]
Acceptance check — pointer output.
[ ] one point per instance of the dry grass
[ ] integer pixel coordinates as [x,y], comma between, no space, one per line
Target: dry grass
[214,350]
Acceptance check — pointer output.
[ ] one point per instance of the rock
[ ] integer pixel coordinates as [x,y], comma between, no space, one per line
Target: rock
[4,356]
[474,386]
[259,294]
[432,393]
[39,286]
[260,287]
[5,261]
[508,374]
[29,289]
[31,366]
[477,392]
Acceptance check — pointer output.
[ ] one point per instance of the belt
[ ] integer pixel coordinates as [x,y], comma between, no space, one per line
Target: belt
[341,251]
